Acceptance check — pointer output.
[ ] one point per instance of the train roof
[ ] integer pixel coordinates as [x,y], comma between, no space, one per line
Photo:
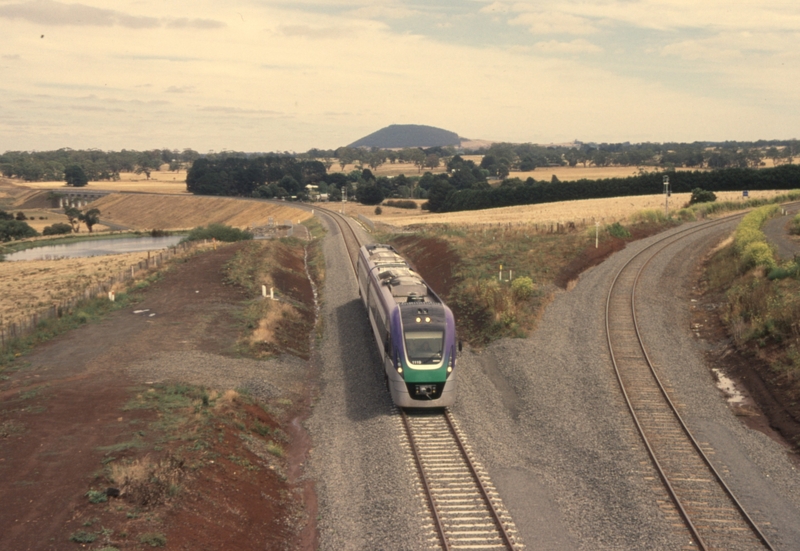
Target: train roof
[392,270]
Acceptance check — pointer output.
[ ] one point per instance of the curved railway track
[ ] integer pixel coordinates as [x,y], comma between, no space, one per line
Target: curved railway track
[466,511]
[711,514]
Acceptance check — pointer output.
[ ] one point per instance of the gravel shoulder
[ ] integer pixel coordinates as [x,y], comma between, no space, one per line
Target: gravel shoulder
[546,416]
[366,489]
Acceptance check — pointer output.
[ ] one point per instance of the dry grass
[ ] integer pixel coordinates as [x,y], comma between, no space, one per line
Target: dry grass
[159,182]
[27,287]
[606,211]
[165,213]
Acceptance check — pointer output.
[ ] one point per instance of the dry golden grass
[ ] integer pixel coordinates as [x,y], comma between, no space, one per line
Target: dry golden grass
[160,212]
[27,287]
[159,182]
[606,211]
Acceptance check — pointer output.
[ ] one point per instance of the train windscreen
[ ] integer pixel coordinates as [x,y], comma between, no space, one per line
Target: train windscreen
[424,347]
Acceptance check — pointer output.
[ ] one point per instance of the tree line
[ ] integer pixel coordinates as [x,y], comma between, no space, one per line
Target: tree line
[96,165]
[445,197]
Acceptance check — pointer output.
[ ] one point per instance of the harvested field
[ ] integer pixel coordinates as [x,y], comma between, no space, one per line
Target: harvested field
[173,213]
[27,287]
[159,182]
[606,211]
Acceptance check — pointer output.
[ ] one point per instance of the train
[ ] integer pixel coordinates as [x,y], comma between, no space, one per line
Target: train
[414,329]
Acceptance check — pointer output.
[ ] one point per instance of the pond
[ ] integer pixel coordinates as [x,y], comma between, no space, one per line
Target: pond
[97,247]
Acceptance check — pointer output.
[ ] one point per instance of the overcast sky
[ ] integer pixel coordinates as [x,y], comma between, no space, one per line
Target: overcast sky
[288,76]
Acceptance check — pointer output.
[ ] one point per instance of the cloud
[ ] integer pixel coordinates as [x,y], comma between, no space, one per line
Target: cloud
[316,33]
[385,12]
[578,46]
[554,22]
[49,12]
[240,111]
[186,23]
[179,89]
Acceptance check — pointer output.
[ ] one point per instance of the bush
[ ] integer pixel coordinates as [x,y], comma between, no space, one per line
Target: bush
[378,210]
[57,229]
[756,254]
[522,288]
[21,216]
[153,539]
[700,195]
[402,204]
[96,496]
[220,232]
[618,230]
[795,227]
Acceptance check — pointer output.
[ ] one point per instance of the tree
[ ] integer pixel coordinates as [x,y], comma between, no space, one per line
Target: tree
[74,216]
[57,229]
[75,176]
[90,218]
[432,161]
[438,194]
[369,194]
[15,229]
[702,196]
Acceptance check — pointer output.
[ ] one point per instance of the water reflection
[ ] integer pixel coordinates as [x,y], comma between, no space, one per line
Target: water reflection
[99,247]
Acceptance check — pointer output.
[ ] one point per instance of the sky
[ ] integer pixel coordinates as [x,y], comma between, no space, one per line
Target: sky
[261,75]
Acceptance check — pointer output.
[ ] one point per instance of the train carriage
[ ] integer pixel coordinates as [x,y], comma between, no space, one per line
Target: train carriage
[414,330]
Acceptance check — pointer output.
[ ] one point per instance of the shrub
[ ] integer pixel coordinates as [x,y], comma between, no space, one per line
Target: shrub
[21,216]
[700,195]
[57,229]
[795,227]
[220,232]
[758,253]
[96,496]
[617,230]
[522,288]
[83,536]
[153,539]
[403,204]
[378,210]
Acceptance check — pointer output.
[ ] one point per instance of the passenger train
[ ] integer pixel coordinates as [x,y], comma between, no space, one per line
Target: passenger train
[415,331]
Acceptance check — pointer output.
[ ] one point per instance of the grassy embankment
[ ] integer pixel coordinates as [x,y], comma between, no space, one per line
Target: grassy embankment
[462,263]
[283,325]
[763,300]
[178,433]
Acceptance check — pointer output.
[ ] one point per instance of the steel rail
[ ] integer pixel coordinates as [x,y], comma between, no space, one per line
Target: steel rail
[437,521]
[495,515]
[665,242]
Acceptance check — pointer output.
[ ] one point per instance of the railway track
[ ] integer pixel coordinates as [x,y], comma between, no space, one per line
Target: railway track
[711,514]
[466,511]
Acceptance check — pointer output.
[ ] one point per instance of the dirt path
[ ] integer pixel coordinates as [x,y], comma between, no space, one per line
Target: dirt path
[777,232]
[62,408]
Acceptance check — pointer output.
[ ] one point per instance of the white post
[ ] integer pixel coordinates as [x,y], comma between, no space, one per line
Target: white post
[111,296]
[264,291]
[272,293]
[596,234]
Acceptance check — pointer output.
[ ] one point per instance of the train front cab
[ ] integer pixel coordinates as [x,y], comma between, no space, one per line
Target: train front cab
[425,353]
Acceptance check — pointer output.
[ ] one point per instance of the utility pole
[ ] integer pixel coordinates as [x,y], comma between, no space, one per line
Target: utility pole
[666,196]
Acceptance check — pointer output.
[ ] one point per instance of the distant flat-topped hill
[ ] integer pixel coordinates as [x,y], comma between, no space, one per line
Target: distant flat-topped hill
[408,135]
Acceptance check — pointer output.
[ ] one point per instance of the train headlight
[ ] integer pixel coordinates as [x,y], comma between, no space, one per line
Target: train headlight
[449,368]
[400,370]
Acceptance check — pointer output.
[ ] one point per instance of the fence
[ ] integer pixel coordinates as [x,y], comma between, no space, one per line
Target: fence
[28,325]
